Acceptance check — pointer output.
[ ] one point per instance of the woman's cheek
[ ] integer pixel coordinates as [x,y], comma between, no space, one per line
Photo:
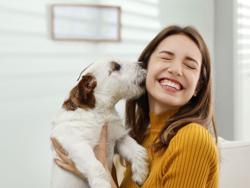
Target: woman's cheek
[148,82]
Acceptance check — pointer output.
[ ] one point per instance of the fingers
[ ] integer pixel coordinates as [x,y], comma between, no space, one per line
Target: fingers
[123,162]
[101,148]
[64,162]
[63,155]
[58,146]
[64,165]
[103,136]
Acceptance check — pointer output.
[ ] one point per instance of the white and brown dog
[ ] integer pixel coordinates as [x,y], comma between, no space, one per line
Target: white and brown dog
[91,104]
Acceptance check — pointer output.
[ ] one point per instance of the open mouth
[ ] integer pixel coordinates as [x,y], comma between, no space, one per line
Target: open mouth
[170,84]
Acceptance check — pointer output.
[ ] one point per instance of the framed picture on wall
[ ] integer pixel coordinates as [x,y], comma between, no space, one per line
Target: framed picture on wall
[85,22]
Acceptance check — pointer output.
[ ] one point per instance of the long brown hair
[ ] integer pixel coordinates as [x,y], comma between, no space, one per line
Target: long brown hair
[200,107]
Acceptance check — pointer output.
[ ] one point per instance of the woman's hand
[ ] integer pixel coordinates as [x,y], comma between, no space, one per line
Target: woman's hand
[64,162]
[100,152]
[101,148]
[67,164]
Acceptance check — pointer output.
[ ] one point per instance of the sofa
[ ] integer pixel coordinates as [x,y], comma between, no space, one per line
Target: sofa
[234,164]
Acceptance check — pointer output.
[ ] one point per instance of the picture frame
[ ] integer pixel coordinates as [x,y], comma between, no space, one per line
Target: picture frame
[85,22]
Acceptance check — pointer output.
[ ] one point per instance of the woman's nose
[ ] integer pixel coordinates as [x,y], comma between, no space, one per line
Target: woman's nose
[175,69]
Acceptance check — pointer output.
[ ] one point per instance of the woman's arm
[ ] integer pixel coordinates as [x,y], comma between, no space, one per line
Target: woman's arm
[193,160]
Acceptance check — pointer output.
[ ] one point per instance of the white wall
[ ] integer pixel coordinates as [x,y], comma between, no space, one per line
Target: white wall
[36,75]
[232,80]
[224,68]
[242,69]
[198,13]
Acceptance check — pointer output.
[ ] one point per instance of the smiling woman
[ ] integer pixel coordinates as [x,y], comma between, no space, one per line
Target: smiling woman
[174,117]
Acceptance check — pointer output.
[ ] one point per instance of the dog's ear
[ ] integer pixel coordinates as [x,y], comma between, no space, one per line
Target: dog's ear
[82,95]
[85,93]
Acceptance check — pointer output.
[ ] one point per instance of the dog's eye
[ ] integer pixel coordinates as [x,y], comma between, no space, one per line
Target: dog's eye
[115,66]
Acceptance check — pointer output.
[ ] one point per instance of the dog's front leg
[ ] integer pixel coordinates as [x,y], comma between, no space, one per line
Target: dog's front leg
[131,151]
[84,158]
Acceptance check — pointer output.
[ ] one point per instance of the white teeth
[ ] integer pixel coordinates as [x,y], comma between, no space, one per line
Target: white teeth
[166,82]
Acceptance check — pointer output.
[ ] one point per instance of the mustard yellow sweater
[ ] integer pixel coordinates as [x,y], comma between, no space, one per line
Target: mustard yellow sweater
[190,161]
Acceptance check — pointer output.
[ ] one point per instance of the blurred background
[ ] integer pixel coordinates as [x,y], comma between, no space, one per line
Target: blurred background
[37,72]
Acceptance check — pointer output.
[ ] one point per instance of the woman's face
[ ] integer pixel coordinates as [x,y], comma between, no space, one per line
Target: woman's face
[173,73]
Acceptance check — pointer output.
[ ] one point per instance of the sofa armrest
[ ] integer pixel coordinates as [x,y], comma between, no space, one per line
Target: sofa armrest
[234,163]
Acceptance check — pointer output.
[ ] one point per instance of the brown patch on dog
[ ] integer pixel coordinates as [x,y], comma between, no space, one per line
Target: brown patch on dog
[82,95]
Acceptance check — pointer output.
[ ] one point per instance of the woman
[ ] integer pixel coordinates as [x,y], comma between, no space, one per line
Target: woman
[174,119]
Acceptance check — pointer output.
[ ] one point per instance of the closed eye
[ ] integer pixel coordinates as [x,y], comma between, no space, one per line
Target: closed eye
[115,67]
[190,67]
[166,58]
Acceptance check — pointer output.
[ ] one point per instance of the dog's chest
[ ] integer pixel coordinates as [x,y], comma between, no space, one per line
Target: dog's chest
[87,125]
[114,123]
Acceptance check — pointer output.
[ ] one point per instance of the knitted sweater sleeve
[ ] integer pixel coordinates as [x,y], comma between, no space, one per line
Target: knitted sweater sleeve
[193,160]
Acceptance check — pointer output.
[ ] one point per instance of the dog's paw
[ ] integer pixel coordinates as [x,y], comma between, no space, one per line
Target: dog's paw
[140,167]
[140,172]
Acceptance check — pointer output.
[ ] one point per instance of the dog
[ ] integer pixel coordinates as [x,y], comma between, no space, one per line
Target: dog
[90,105]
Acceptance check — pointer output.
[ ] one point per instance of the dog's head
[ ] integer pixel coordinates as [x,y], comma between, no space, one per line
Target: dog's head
[106,83]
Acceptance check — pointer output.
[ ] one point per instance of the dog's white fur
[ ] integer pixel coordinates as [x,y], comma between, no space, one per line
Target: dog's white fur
[78,130]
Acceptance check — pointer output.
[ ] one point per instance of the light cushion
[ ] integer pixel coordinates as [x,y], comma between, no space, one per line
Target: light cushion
[234,164]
